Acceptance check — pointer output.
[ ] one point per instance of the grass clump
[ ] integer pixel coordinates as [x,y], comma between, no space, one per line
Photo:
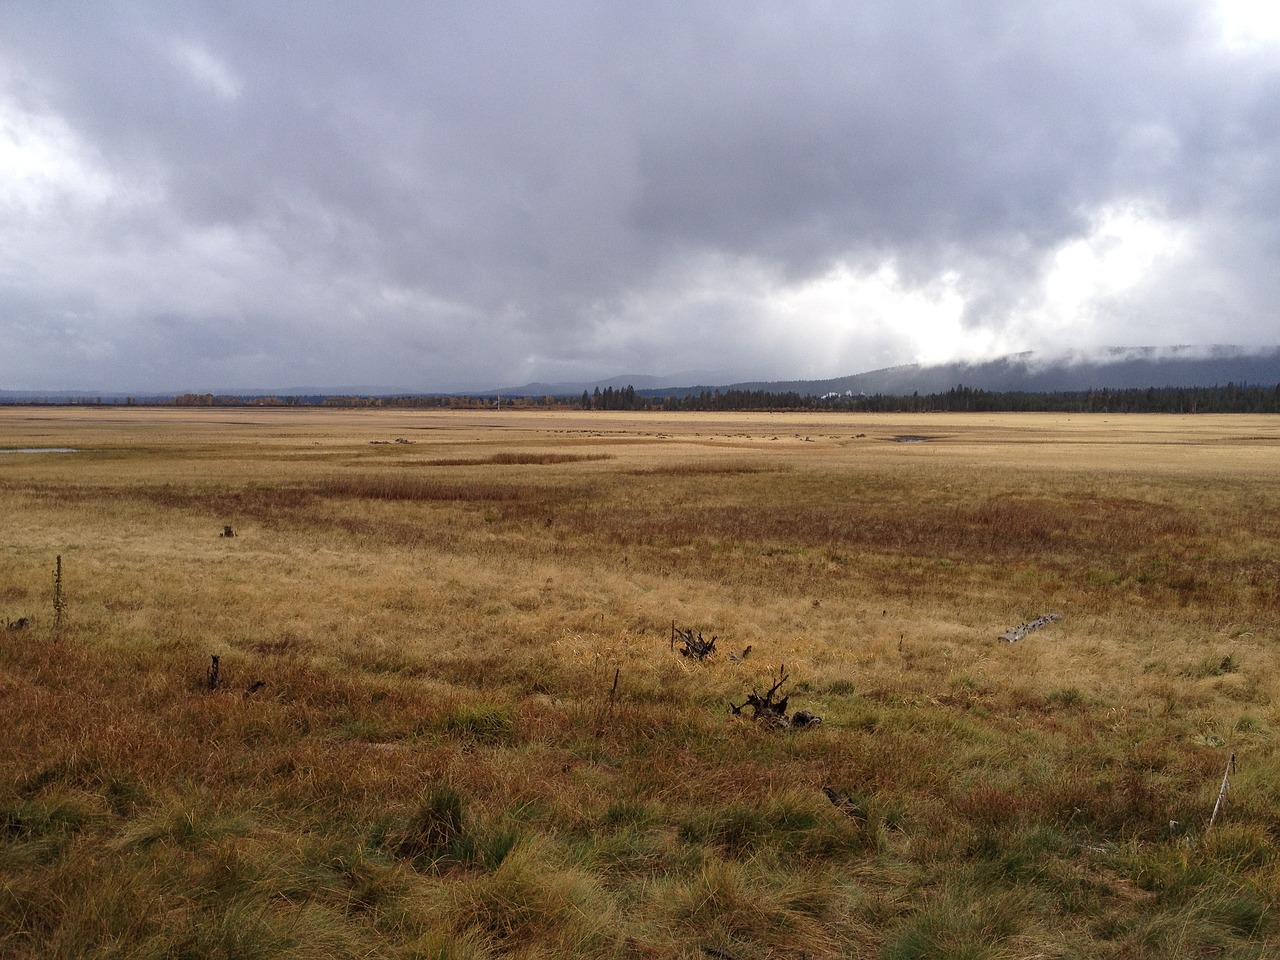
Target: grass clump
[1214,665]
[1066,698]
[962,923]
[530,898]
[736,907]
[481,723]
[802,826]
[439,836]
[41,830]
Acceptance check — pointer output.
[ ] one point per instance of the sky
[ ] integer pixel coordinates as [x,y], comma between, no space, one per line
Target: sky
[438,196]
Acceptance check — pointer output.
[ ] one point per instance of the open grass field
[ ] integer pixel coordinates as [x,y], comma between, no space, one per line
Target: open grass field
[437,762]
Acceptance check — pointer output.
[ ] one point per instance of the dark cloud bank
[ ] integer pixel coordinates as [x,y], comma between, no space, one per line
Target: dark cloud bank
[457,195]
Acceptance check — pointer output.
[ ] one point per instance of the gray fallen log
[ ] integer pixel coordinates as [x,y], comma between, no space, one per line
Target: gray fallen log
[1022,629]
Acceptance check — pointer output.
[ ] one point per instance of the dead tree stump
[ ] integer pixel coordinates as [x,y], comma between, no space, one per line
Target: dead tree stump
[771,713]
[692,645]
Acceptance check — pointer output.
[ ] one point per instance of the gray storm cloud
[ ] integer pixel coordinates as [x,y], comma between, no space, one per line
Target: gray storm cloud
[454,195]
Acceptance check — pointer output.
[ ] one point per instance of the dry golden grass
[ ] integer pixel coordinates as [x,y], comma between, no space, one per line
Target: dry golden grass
[435,766]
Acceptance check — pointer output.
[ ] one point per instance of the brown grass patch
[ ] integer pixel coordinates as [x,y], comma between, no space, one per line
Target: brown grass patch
[518,459]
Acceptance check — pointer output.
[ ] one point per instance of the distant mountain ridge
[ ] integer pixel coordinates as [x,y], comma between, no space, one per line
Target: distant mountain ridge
[1028,373]
[1121,368]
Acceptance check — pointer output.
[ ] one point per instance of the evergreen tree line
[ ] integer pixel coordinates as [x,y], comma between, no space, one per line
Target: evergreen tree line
[1231,398]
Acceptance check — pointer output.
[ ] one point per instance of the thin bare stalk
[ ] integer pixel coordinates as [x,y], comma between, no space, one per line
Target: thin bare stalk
[1222,791]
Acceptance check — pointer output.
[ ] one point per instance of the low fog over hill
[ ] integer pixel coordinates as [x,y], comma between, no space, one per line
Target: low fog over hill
[1115,369]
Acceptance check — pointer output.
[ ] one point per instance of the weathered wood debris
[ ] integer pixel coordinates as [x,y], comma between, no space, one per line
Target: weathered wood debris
[803,719]
[845,804]
[1022,629]
[773,713]
[692,645]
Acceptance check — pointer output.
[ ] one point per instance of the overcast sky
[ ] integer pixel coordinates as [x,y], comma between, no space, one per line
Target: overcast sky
[439,195]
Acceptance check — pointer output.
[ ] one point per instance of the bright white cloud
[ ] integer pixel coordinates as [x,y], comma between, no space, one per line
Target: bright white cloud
[846,316]
[1123,247]
[1127,247]
[42,161]
[1248,25]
